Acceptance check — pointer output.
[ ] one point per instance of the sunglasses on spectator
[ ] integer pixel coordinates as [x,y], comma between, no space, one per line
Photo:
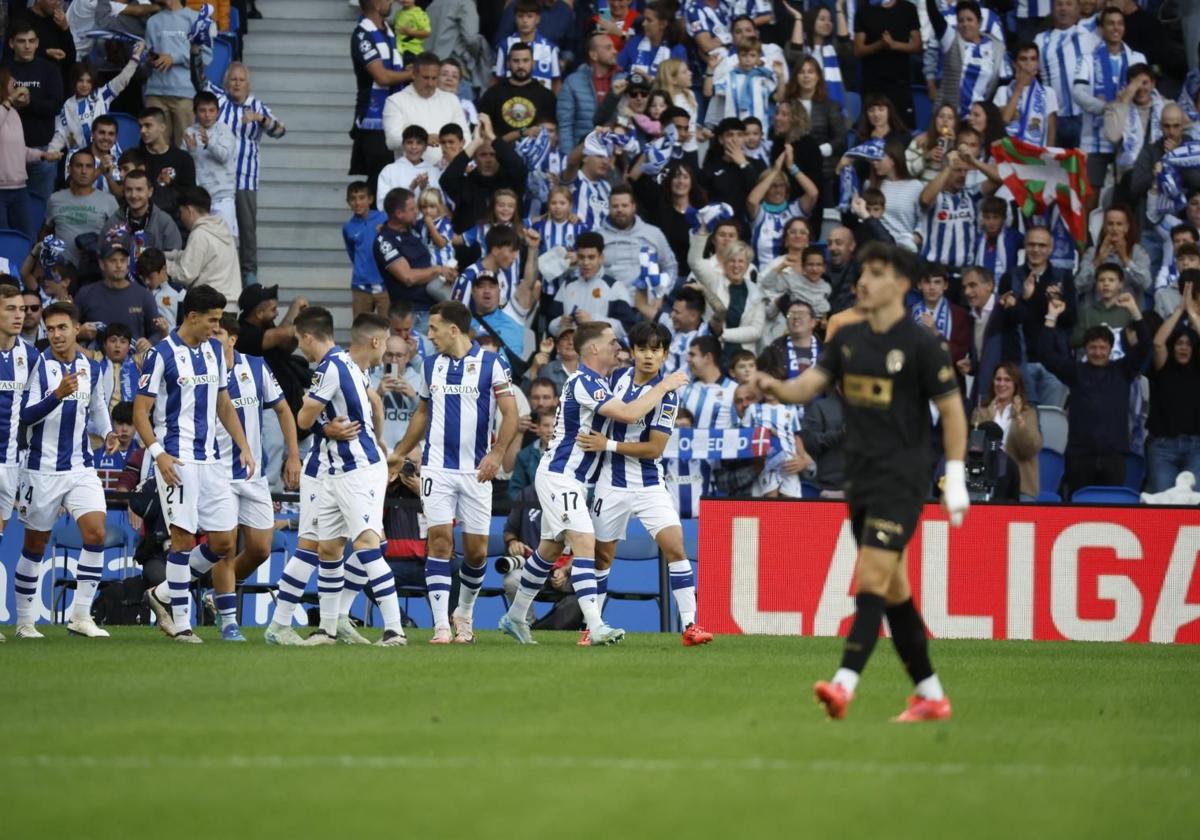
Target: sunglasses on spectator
[36,307]
[640,94]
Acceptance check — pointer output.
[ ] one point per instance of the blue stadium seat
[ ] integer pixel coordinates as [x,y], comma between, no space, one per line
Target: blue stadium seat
[37,212]
[235,20]
[66,540]
[128,133]
[1046,497]
[1051,465]
[808,490]
[636,576]
[222,55]
[1105,496]
[1052,421]
[853,106]
[14,247]
[1135,472]
[922,108]
[638,544]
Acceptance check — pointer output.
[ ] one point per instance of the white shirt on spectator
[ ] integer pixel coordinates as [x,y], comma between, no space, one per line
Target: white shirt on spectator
[401,173]
[409,108]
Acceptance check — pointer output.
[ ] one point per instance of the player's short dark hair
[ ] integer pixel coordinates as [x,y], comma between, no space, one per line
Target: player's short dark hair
[395,199]
[316,321]
[590,239]
[1111,268]
[451,129]
[1098,333]
[414,132]
[61,307]
[425,59]
[196,197]
[119,330]
[231,324]
[543,382]
[108,120]
[904,263]
[368,323]
[202,298]
[204,97]
[453,312]
[11,287]
[588,332]
[122,412]
[707,345]
[651,335]
[357,187]
[993,206]
[501,236]
[150,261]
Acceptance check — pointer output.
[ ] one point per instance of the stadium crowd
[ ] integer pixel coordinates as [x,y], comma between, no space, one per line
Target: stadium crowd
[713,166]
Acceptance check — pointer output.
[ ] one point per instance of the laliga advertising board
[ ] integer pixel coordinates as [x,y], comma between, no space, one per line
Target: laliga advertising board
[1063,572]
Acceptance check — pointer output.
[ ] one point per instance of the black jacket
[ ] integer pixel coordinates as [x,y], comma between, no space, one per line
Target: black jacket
[1035,308]
[471,192]
[824,434]
[728,182]
[44,81]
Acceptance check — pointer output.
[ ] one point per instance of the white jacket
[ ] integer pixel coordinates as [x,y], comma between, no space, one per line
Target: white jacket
[209,258]
[716,292]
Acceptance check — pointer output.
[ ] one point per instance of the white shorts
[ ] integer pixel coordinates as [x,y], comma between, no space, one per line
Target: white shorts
[10,480]
[768,481]
[613,506]
[311,488]
[351,503]
[41,496]
[254,506]
[564,505]
[202,501]
[448,495]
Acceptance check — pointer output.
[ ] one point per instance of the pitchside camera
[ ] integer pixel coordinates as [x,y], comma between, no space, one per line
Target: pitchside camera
[984,446]
[509,563]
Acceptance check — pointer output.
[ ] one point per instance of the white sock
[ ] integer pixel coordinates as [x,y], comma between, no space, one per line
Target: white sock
[847,679]
[292,583]
[470,579]
[683,588]
[329,588]
[602,587]
[583,581]
[202,559]
[28,578]
[383,587]
[87,580]
[437,587]
[179,577]
[352,584]
[930,688]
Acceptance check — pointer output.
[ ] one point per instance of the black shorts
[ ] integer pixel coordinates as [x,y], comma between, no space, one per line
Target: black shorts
[886,523]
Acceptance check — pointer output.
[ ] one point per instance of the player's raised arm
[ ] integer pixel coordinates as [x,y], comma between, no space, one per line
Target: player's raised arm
[229,419]
[629,412]
[801,390]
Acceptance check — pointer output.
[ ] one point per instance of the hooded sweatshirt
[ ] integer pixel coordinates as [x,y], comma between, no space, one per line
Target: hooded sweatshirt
[210,258]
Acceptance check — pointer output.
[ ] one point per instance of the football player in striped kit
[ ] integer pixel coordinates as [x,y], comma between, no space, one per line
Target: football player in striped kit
[251,387]
[63,401]
[632,482]
[350,504]
[182,393]
[566,470]
[17,358]
[462,388]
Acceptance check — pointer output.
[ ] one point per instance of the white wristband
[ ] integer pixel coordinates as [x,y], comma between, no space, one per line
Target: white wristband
[611,446]
[956,471]
[155,449]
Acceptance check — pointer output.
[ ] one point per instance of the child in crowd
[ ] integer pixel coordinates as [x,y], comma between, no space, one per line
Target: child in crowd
[998,244]
[816,290]
[110,464]
[748,87]
[558,228]
[754,142]
[743,367]
[366,284]
[436,232]
[411,25]
[1108,309]
[505,211]
[73,126]
[152,272]
[410,171]
[214,151]
[118,368]
[780,476]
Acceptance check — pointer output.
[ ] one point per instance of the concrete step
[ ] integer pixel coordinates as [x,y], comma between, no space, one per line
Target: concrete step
[331,25]
[298,44]
[328,216]
[314,196]
[301,236]
[324,119]
[303,138]
[272,82]
[311,157]
[273,173]
[341,100]
[263,61]
[321,10]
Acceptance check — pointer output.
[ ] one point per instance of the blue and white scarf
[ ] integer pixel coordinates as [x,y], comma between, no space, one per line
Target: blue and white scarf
[826,54]
[941,315]
[1171,196]
[1034,106]
[661,152]
[650,278]
[52,253]
[1187,97]
[848,180]
[535,152]
[710,214]
[1108,80]
[794,368]
[1134,136]
[203,28]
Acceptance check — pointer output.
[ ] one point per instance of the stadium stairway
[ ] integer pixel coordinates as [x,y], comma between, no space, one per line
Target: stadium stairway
[299,58]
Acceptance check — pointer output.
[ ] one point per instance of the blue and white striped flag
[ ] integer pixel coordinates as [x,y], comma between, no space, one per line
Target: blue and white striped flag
[650,277]
[661,151]
[53,250]
[203,28]
[721,444]
[710,214]
[848,180]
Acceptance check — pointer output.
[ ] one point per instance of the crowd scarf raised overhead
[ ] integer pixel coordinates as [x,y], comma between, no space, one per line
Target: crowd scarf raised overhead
[848,180]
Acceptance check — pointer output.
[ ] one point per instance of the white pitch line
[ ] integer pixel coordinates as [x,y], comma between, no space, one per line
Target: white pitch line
[848,767]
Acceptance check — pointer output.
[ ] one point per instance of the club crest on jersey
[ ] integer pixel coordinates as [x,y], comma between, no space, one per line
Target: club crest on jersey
[143,381]
[600,394]
[894,361]
[317,377]
[472,367]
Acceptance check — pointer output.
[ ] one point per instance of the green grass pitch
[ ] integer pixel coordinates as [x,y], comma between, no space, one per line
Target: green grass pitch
[136,736]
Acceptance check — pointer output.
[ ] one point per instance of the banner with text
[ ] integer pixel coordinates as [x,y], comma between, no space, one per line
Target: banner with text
[721,444]
[1101,574]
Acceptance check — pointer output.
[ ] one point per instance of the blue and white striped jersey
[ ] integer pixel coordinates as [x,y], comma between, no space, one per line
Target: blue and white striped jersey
[15,368]
[1059,51]
[979,67]
[747,93]
[1034,9]
[248,134]
[578,409]
[688,481]
[677,353]
[623,470]
[1104,76]
[767,231]
[781,420]
[556,233]
[711,404]
[753,8]
[251,386]
[185,383]
[508,279]
[462,396]
[341,385]
[591,200]
[950,228]
[700,17]
[545,59]
[445,229]
[1038,102]
[57,430]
